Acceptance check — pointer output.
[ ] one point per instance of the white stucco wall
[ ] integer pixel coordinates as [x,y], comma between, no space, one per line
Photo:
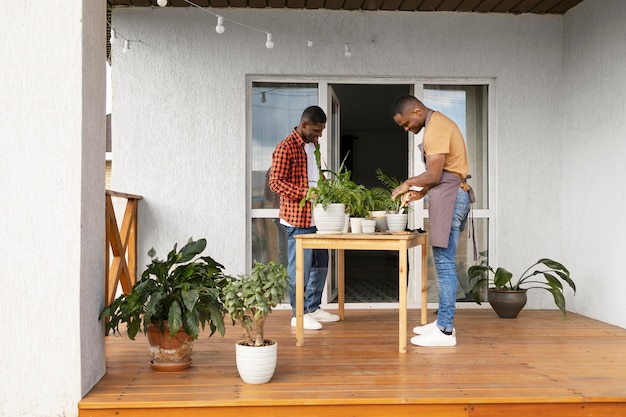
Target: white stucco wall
[594,133]
[179,105]
[52,134]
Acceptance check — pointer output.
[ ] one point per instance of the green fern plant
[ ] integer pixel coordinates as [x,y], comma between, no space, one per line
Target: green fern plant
[390,183]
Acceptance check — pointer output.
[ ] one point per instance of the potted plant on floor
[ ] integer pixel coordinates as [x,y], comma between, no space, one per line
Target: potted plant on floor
[507,296]
[248,300]
[171,302]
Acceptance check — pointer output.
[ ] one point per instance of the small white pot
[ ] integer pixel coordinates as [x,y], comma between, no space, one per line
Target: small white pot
[355,224]
[368,225]
[256,364]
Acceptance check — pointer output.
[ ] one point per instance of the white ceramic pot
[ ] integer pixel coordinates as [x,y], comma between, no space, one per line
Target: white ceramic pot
[368,226]
[331,220]
[355,224]
[397,222]
[256,364]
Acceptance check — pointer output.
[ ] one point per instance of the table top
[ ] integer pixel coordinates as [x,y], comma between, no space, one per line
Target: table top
[365,236]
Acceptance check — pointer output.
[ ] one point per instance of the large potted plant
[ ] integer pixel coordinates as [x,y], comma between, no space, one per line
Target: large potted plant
[329,199]
[249,300]
[507,296]
[171,302]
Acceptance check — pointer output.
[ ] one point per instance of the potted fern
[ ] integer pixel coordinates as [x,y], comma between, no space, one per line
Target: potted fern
[507,296]
[174,298]
[249,300]
[397,216]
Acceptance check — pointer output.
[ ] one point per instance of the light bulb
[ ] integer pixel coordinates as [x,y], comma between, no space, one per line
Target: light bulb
[263,98]
[113,37]
[310,44]
[162,3]
[220,25]
[126,46]
[346,51]
[269,44]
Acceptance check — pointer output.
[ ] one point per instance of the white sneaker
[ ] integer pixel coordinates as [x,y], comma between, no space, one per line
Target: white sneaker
[434,338]
[425,328]
[324,316]
[428,328]
[309,323]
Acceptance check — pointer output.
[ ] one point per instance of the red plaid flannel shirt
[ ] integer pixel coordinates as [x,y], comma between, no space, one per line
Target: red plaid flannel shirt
[289,179]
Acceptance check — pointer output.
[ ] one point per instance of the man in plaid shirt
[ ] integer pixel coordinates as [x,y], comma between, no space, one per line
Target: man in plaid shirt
[293,170]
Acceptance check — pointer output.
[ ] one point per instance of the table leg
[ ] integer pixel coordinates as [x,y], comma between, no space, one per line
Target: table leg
[341,283]
[402,266]
[299,293]
[424,317]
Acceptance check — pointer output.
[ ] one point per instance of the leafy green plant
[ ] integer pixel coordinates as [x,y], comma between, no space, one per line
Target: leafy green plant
[249,299]
[332,187]
[182,290]
[359,200]
[390,183]
[549,275]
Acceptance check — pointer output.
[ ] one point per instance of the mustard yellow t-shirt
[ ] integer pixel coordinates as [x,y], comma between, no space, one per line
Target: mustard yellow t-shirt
[442,136]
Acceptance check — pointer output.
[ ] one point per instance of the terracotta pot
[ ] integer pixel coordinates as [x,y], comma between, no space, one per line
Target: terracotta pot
[507,304]
[169,353]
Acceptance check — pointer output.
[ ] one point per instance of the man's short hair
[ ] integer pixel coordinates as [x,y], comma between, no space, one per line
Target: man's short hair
[404,104]
[314,115]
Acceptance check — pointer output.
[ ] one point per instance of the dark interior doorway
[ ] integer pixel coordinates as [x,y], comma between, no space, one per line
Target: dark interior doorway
[374,141]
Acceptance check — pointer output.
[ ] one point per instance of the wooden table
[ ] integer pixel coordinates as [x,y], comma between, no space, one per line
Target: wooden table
[354,241]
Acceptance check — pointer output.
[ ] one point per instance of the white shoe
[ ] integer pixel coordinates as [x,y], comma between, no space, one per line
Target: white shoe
[309,323]
[425,328]
[324,316]
[434,338]
[428,328]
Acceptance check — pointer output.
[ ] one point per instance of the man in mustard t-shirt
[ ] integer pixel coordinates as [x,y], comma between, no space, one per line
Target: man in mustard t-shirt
[444,181]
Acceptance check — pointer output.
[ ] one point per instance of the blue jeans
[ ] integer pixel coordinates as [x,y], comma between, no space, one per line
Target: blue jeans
[445,264]
[315,270]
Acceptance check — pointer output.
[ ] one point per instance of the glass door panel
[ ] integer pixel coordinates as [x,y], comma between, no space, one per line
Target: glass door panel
[467,105]
[275,110]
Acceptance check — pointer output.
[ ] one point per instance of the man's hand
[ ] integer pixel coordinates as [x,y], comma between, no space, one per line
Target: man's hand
[413,195]
[400,189]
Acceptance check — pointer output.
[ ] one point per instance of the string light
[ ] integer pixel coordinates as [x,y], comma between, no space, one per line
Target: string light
[346,51]
[220,24]
[115,34]
[269,44]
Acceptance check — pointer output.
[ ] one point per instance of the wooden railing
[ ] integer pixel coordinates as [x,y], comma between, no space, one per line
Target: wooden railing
[121,244]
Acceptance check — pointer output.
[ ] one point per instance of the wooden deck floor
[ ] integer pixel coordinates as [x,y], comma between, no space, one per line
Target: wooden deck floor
[535,365]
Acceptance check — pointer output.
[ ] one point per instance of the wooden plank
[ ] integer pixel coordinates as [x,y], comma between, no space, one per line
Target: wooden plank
[535,365]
